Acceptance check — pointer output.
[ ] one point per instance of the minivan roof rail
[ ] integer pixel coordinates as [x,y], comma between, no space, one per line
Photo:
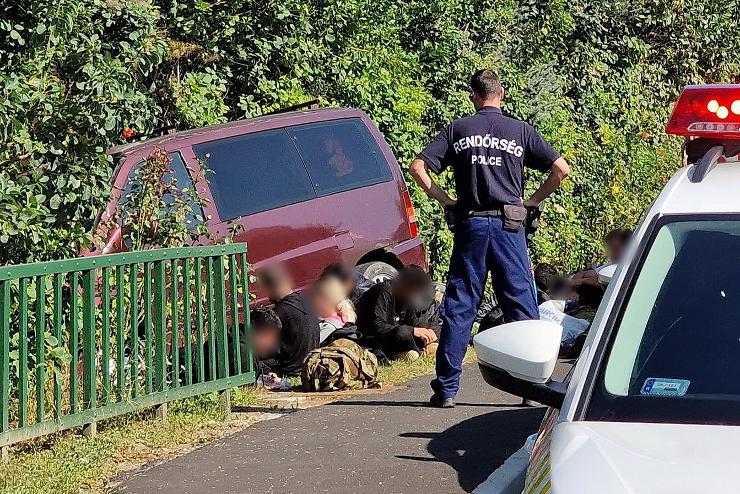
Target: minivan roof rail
[312,104]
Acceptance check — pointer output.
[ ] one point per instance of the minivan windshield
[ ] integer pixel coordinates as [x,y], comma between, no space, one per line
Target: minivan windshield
[675,353]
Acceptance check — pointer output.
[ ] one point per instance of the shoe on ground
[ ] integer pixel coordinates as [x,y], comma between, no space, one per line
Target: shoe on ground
[431,349]
[409,356]
[438,402]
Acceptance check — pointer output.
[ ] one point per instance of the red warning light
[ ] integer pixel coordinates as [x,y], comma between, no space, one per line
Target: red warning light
[710,110]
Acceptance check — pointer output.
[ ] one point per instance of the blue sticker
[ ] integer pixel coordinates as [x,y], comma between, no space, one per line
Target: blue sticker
[656,386]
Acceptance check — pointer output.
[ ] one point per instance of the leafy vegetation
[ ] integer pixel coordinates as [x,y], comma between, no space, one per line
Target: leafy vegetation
[597,78]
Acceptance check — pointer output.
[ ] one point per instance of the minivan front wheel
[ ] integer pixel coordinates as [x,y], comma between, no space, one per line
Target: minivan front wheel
[377,271]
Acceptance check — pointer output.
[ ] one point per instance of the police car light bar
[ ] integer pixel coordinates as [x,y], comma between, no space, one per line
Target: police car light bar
[709,110]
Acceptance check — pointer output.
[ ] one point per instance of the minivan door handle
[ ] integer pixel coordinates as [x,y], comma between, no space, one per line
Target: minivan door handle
[344,240]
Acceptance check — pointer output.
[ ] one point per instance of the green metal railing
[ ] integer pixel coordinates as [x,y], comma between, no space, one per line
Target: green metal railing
[134,329]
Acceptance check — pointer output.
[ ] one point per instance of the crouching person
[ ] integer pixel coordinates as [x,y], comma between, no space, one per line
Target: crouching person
[389,315]
[300,326]
[263,339]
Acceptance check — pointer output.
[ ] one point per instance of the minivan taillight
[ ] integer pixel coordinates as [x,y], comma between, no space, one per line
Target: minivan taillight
[410,214]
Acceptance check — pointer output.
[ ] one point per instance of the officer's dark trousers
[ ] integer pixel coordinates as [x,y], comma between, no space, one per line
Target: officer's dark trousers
[481,245]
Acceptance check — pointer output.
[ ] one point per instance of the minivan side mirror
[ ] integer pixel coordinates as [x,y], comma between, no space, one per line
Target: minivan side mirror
[520,357]
[606,273]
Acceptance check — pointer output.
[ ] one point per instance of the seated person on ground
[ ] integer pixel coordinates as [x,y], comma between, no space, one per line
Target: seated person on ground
[615,242]
[545,276]
[354,283]
[300,326]
[332,306]
[264,335]
[388,315]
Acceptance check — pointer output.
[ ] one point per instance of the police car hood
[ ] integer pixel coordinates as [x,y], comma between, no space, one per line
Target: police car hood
[608,457]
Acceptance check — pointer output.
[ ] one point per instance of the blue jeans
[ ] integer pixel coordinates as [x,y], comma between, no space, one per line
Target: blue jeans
[481,245]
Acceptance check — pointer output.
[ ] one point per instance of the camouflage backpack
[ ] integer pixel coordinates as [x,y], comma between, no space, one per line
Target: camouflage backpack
[341,365]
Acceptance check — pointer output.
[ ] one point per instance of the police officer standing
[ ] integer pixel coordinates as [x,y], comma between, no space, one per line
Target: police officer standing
[487,153]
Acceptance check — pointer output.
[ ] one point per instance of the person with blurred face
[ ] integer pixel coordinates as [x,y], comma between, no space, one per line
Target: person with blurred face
[265,330]
[388,315]
[332,306]
[353,282]
[300,326]
[615,243]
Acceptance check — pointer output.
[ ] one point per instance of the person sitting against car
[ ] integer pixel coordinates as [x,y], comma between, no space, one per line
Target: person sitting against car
[615,243]
[389,315]
[300,326]
[332,306]
[353,282]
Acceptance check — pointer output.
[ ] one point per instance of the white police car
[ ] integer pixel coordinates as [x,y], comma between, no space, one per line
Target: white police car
[653,403]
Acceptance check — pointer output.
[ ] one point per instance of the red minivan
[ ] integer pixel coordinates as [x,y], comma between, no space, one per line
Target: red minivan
[308,188]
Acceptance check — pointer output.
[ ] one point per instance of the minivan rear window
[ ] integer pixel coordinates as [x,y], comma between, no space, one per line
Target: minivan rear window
[340,155]
[182,181]
[254,173]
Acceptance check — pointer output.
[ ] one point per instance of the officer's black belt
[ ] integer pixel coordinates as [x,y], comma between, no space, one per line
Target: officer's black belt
[491,213]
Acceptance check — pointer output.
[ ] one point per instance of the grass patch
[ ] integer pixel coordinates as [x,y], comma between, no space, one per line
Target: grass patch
[401,371]
[69,463]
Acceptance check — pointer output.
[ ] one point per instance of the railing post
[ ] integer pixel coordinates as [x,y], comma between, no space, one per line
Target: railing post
[222,344]
[88,339]
[160,328]
[90,430]
[41,348]
[4,359]
[234,297]
[88,348]
[160,412]
[224,401]
[245,306]
[57,322]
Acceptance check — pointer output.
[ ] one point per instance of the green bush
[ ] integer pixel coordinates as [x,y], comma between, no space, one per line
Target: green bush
[596,78]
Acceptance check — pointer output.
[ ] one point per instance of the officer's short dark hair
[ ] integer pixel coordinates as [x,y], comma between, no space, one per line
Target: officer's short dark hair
[485,83]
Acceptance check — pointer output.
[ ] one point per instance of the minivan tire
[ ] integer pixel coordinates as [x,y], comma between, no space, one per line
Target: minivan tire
[377,271]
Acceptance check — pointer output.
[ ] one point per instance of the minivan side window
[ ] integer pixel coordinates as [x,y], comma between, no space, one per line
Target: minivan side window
[254,173]
[340,155]
[181,176]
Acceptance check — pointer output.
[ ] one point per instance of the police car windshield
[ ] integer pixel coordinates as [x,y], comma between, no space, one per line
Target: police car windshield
[675,353]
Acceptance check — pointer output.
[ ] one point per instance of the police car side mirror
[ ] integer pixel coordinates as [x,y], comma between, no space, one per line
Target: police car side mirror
[606,273]
[520,357]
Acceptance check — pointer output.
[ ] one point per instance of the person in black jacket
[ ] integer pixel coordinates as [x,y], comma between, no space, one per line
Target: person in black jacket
[391,315]
[300,326]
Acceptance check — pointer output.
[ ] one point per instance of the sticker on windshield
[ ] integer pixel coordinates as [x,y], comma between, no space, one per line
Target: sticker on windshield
[656,386]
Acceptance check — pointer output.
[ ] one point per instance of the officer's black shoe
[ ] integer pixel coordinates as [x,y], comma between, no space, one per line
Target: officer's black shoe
[437,401]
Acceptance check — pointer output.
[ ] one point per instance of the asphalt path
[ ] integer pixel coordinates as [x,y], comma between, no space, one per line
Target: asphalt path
[381,443]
